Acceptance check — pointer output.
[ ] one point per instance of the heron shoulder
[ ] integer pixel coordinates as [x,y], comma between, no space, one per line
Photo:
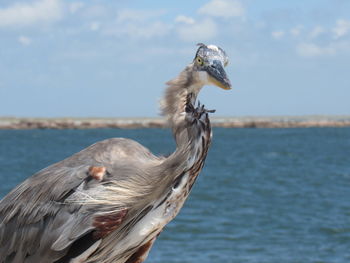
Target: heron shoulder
[117,150]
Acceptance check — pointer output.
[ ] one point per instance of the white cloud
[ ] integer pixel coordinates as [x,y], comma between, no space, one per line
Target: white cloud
[277,34]
[295,31]
[94,26]
[313,50]
[260,24]
[75,6]
[184,19]
[138,24]
[138,30]
[223,8]
[126,15]
[94,11]
[154,29]
[25,41]
[24,14]
[199,31]
[342,28]
[318,30]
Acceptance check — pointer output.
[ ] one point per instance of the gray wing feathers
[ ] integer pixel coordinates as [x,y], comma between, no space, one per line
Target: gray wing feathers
[37,224]
[31,224]
[71,230]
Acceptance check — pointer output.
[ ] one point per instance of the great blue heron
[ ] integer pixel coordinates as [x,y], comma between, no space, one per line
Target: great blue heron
[109,202]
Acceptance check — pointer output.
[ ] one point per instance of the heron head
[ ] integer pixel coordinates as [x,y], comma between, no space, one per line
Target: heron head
[209,64]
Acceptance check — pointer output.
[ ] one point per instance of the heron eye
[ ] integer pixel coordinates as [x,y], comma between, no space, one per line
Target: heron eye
[199,61]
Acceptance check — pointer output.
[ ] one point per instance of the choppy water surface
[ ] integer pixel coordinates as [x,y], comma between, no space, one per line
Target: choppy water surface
[265,195]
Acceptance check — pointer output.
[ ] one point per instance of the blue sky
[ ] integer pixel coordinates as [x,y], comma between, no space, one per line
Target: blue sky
[99,58]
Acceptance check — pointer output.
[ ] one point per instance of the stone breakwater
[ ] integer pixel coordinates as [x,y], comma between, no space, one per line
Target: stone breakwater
[133,123]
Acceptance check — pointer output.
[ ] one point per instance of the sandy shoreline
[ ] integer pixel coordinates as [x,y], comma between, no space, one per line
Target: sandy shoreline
[131,123]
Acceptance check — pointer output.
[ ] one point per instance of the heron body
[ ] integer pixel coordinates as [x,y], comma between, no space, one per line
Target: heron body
[109,202]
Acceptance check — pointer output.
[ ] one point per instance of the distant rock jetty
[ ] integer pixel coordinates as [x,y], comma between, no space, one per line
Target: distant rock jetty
[133,123]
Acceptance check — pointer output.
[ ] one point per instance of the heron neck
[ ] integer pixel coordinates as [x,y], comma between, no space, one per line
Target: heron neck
[181,91]
[192,132]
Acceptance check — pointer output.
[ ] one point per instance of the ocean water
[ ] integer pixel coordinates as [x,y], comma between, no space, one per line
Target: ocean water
[264,195]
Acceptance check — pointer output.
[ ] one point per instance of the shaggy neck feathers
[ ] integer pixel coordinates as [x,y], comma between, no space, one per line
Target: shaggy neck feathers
[181,91]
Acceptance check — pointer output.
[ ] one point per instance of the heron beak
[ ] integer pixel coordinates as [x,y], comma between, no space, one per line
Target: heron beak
[217,75]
